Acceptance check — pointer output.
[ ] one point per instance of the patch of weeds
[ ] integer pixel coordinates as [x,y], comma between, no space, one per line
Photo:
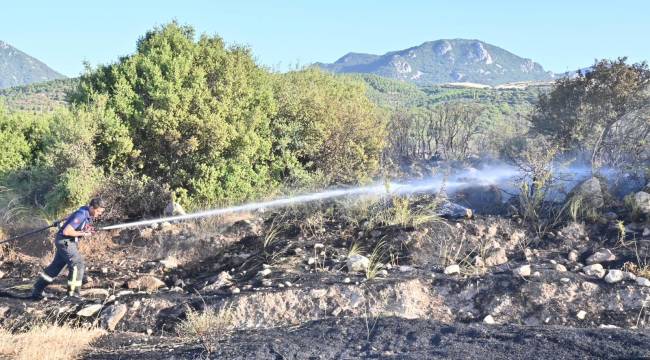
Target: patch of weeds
[206,327]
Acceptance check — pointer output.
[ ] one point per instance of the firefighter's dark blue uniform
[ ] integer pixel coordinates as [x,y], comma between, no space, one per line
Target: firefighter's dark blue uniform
[67,253]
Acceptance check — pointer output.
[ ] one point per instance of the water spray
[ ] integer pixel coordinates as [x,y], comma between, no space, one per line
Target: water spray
[486,177]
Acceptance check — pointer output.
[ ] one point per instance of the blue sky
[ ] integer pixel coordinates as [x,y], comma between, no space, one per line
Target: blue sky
[560,35]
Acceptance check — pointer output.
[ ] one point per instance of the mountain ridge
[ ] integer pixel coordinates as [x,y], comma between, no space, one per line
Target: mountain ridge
[19,68]
[444,61]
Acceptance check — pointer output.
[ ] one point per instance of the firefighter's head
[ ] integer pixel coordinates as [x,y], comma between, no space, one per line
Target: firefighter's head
[96,207]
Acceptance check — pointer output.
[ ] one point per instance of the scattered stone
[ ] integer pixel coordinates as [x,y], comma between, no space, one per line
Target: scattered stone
[641,281]
[383,273]
[646,232]
[405,268]
[528,254]
[89,310]
[149,331]
[112,315]
[3,311]
[489,320]
[600,256]
[565,280]
[318,246]
[452,269]
[95,293]
[148,283]
[247,287]
[607,326]
[311,261]
[288,283]
[165,225]
[560,268]
[589,287]
[614,276]
[337,311]
[104,270]
[595,270]
[346,280]
[523,271]
[234,290]
[317,293]
[170,262]
[581,314]
[496,257]
[357,263]
[263,273]
[124,293]
[573,256]
[629,276]
[267,283]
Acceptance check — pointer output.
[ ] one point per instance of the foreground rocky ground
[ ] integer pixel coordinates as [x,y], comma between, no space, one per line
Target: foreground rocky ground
[333,282]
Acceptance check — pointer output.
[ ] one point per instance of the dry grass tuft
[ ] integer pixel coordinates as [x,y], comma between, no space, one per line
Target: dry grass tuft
[48,342]
[206,327]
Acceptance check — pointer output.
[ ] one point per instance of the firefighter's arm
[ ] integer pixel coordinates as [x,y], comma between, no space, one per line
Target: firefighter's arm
[71,232]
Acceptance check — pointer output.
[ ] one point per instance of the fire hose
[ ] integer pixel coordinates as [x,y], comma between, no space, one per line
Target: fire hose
[18,237]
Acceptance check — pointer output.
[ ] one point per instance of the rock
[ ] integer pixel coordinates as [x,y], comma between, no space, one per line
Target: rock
[489,320]
[452,269]
[590,192]
[560,268]
[383,273]
[222,280]
[642,202]
[565,280]
[607,326]
[450,210]
[148,283]
[357,263]
[595,270]
[317,293]
[2,274]
[614,276]
[170,262]
[629,276]
[263,273]
[173,209]
[528,254]
[267,283]
[581,314]
[311,261]
[346,280]
[234,290]
[522,271]
[319,246]
[3,311]
[112,315]
[89,310]
[573,256]
[641,281]
[405,268]
[602,255]
[95,293]
[646,232]
[496,257]
[125,292]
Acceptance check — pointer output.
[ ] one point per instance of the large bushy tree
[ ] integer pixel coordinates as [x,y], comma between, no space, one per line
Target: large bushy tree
[604,110]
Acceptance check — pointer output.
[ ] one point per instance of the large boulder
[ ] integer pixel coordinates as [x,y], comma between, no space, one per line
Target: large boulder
[642,202]
[590,192]
[173,209]
[112,315]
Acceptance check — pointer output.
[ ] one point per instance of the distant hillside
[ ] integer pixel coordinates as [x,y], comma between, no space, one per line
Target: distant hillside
[18,68]
[445,61]
[38,97]
[399,94]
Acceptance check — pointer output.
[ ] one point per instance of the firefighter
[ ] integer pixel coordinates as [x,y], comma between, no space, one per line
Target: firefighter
[76,226]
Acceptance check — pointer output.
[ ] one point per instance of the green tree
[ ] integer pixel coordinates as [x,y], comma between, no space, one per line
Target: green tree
[325,125]
[595,111]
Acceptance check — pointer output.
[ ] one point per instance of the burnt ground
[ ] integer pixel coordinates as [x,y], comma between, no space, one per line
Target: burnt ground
[391,337]
[290,295]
